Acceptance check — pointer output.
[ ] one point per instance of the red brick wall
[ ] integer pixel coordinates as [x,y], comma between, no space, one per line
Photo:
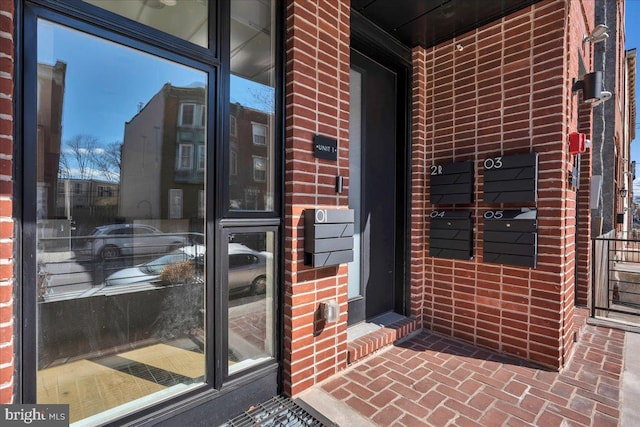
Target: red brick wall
[317,102]
[7,339]
[583,240]
[508,91]
[583,243]
[580,23]
[419,195]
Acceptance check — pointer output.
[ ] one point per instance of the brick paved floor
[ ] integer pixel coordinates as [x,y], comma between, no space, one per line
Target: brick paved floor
[433,380]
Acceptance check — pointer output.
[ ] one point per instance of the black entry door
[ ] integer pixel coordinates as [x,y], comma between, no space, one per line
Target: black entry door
[372,187]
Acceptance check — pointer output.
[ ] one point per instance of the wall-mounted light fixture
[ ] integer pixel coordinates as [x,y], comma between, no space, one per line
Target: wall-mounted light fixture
[330,311]
[591,87]
[623,192]
[599,33]
[605,95]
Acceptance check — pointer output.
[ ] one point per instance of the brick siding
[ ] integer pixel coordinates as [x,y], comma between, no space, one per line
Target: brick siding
[581,22]
[507,91]
[7,319]
[419,196]
[317,102]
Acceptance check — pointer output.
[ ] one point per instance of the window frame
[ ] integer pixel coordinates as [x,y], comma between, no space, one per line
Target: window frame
[142,32]
[201,157]
[182,146]
[203,116]
[254,169]
[175,211]
[233,163]
[213,61]
[265,128]
[105,25]
[105,191]
[202,204]
[233,125]
[182,122]
[277,137]
[241,228]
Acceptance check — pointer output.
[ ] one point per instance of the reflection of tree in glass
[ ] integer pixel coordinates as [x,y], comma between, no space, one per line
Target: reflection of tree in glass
[85,157]
[108,161]
[263,98]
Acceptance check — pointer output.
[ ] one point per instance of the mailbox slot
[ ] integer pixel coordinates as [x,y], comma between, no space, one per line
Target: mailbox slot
[451,183]
[450,235]
[328,237]
[510,237]
[511,179]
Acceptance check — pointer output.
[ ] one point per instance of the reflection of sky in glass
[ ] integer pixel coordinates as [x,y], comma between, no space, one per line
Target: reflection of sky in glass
[105,81]
[251,94]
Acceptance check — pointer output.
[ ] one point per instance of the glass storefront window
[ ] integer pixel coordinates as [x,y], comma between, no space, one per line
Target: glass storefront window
[251,299]
[187,19]
[120,227]
[251,185]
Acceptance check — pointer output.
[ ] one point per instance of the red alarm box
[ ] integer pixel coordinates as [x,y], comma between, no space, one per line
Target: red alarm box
[577,143]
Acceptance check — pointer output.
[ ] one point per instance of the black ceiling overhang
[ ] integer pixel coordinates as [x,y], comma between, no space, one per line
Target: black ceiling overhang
[427,23]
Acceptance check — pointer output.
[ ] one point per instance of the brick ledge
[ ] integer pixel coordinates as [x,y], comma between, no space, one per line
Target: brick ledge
[374,341]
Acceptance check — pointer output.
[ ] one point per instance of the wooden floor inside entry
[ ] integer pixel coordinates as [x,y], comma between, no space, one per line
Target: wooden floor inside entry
[91,386]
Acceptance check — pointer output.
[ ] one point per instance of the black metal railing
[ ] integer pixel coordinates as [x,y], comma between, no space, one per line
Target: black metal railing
[616,276]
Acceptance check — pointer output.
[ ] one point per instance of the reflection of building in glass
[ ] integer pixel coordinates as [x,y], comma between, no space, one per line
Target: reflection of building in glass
[85,193]
[248,166]
[51,86]
[163,157]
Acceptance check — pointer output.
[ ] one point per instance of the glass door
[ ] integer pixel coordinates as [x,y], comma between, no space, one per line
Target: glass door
[355,294]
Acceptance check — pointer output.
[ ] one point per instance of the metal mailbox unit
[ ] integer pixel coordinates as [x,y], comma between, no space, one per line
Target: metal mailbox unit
[451,232]
[451,183]
[511,179]
[328,236]
[450,235]
[511,237]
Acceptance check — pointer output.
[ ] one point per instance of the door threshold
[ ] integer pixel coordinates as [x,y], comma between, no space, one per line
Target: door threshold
[368,337]
[363,328]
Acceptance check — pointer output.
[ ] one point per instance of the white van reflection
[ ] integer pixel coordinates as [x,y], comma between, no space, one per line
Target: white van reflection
[247,269]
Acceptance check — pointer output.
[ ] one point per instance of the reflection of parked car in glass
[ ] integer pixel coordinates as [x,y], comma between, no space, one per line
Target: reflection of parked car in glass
[115,240]
[247,268]
[151,272]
